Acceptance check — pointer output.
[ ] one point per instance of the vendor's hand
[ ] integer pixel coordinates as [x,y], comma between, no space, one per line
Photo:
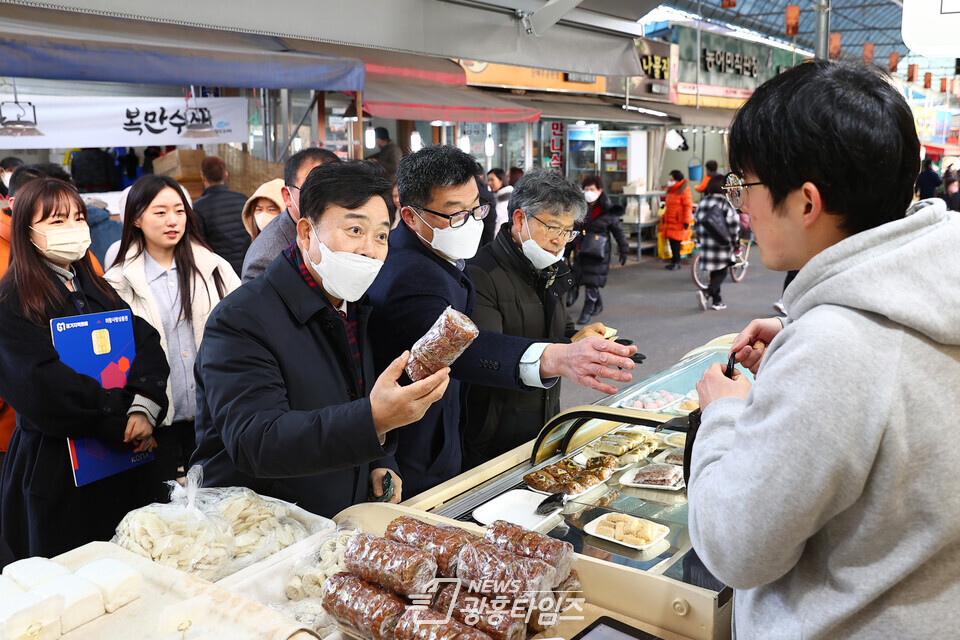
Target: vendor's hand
[752,342]
[595,329]
[715,384]
[376,481]
[623,258]
[588,360]
[395,406]
[139,432]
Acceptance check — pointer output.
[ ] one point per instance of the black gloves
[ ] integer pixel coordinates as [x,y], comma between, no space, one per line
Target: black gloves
[686,225]
[623,258]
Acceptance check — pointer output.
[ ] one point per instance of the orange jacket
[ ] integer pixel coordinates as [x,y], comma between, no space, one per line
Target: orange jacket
[8,420]
[679,212]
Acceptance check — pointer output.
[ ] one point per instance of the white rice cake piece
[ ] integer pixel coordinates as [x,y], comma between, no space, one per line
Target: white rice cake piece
[26,612]
[30,572]
[82,601]
[8,588]
[118,583]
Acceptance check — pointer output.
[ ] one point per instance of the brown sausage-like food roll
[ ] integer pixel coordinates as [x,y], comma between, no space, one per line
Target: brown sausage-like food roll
[443,343]
[362,608]
[530,544]
[474,610]
[390,564]
[482,564]
[412,626]
[443,544]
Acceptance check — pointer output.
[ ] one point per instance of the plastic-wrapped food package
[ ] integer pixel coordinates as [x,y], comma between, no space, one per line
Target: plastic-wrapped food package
[311,614]
[547,609]
[362,608]
[420,624]
[530,544]
[483,564]
[392,565]
[261,526]
[442,543]
[179,534]
[325,559]
[443,343]
[494,617]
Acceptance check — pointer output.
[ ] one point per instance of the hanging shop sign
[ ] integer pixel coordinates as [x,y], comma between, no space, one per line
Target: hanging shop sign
[728,69]
[485,74]
[71,121]
[654,84]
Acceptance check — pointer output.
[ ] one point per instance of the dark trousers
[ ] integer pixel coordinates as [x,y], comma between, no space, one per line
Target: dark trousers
[716,279]
[175,445]
[591,302]
[675,250]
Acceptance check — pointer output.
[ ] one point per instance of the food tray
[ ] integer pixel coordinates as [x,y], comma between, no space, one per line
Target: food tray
[581,459]
[170,597]
[626,481]
[662,457]
[518,507]
[675,407]
[627,402]
[591,528]
[675,439]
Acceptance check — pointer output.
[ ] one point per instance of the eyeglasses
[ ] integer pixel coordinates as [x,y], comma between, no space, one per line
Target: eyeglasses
[556,232]
[290,186]
[734,187]
[459,218]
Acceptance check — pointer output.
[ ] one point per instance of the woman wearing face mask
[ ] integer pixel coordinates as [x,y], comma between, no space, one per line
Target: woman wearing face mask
[170,278]
[42,512]
[520,280]
[603,219]
[678,216]
[7,166]
[262,207]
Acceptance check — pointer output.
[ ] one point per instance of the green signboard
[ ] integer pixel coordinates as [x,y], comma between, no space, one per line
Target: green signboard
[728,62]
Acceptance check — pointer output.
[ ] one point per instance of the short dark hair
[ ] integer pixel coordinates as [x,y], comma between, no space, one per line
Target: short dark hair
[500,173]
[714,185]
[435,166]
[381,133]
[54,170]
[927,162]
[842,126]
[347,184]
[23,176]
[515,174]
[292,166]
[213,169]
[711,166]
[592,181]
[10,163]
[677,175]
[948,183]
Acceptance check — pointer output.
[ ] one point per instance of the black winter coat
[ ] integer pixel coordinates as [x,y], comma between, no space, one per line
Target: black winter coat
[517,299]
[42,512]
[279,408]
[589,271]
[220,213]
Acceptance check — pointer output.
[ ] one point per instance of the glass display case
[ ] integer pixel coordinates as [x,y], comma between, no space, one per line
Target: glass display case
[583,151]
[566,436]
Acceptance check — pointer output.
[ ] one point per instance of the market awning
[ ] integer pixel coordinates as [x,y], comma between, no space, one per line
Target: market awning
[703,116]
[584,108]
[40,43]
[426,101]
[939,149]
[596,38]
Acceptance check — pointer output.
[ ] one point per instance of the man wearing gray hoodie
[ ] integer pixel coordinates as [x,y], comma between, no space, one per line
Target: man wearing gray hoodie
[828,493]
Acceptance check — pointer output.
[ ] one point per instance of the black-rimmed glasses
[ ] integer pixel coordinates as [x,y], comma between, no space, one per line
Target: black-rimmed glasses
[734,188]
[557,232]
[459,218]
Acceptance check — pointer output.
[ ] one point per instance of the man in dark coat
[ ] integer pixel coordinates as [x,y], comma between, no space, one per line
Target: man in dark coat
[520,280]
[423,275]
[281,232]
[389,153]
[288,402]
[927,181]
[220,213]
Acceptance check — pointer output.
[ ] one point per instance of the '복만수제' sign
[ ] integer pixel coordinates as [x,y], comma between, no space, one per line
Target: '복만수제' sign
[68,121]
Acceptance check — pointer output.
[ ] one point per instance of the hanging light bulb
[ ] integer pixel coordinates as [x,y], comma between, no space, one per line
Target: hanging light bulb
[416,142]
[21,125]
[464,143]
[369,138]
[489,147]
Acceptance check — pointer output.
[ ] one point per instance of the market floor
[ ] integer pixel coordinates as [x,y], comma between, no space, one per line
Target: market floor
[658,310]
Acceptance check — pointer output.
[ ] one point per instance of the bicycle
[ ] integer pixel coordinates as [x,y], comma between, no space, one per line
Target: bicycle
[738,270]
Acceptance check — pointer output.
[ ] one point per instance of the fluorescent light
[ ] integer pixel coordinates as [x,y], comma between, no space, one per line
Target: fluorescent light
[416,142]
[489,147]
[369,138]
[464,143]
[580,123]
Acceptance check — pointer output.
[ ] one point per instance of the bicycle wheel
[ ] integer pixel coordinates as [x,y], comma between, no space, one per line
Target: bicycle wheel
[738,270]
[701,277]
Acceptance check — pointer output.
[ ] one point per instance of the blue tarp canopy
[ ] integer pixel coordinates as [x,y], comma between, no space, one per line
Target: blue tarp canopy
[40,43]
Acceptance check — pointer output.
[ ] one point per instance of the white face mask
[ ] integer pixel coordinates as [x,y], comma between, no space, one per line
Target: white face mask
[65,246]
[540,257]
[457,244]
[670,183]
[263,219]
[591,196]
[6,179]
[344,275]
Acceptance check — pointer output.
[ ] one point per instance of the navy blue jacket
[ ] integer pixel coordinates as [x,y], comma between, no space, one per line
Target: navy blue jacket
[414,287]
[927,183]
[279,409]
